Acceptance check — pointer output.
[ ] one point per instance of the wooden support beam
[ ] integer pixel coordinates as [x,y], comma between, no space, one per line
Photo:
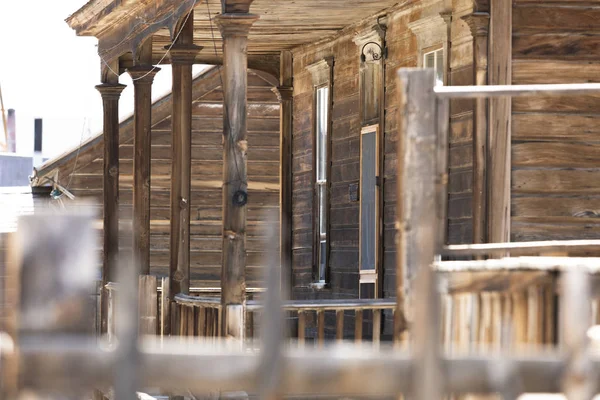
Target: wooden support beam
[499,160]
[234,30]
[142,76]
[110,90]
[422,153]
[182,55]
[479,24]
[285,96]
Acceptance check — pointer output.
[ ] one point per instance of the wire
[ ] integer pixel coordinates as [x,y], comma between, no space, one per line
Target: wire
[77,155]
[154,67]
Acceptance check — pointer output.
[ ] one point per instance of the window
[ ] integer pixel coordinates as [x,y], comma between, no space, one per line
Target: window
[435,59]
[322,76]
[321,187]
[369,211]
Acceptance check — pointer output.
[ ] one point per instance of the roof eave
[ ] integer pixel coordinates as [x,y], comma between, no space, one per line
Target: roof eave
[84,21]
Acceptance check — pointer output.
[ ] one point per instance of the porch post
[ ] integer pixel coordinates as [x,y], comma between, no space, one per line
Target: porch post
[110,90]
[234,26]
[479,24]
[182,55]
[285,94]
[142,77]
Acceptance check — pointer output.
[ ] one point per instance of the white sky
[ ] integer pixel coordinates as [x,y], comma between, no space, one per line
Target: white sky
[47,72]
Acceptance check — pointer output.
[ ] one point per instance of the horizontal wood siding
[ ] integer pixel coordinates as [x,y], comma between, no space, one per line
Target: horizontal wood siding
[555,149]
[207,179]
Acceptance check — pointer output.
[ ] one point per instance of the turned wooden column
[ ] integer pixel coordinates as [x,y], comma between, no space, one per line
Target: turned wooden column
[234,30]
[479,24]
[182,55]
[285,95]
[111,92]
[142,77]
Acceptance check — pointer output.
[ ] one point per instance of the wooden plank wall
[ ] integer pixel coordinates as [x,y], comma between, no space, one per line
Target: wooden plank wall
[344,213]
[207,177]
[555,148]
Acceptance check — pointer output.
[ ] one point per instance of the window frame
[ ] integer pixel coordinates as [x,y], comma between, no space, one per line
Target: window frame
[434,50]
[318,277]
[322,76]
[370,276]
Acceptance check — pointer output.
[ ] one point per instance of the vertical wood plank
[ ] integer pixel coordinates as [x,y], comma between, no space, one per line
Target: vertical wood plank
[358,325]
[301,327]
[321,327]
[339,325]
[165,308]
[499,155]
[519,318]
[201,322]
[376,328]
[190,321]
[147,305]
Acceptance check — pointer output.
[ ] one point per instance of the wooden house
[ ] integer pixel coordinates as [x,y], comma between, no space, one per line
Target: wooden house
[317,82]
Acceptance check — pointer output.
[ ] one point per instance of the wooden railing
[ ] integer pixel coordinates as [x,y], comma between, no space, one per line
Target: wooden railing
[201,316]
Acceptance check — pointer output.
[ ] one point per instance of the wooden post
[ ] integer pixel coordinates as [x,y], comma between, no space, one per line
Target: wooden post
[499,160]
[182,55]
[285,96]
[479,24]
[110,90]
[142,77]
[234,30]
[422,152]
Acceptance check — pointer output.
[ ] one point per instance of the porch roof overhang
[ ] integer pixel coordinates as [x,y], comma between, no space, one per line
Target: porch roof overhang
[122,25]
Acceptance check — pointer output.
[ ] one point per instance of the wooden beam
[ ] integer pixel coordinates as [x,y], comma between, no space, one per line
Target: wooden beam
[142,76]
[182,55]
[285,95]
[419,186]
[234,30]
[499,160]
[110,90]
[479,24]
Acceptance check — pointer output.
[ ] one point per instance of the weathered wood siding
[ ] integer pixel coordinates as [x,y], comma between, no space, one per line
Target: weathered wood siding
[555,148]
[207,178]
[460,163]
[345,158]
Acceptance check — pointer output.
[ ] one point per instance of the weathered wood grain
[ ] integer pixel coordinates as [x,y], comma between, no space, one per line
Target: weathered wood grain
[554,154]
[555,126]
[533,19]
[564,46]
[567,181]
[500,73]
